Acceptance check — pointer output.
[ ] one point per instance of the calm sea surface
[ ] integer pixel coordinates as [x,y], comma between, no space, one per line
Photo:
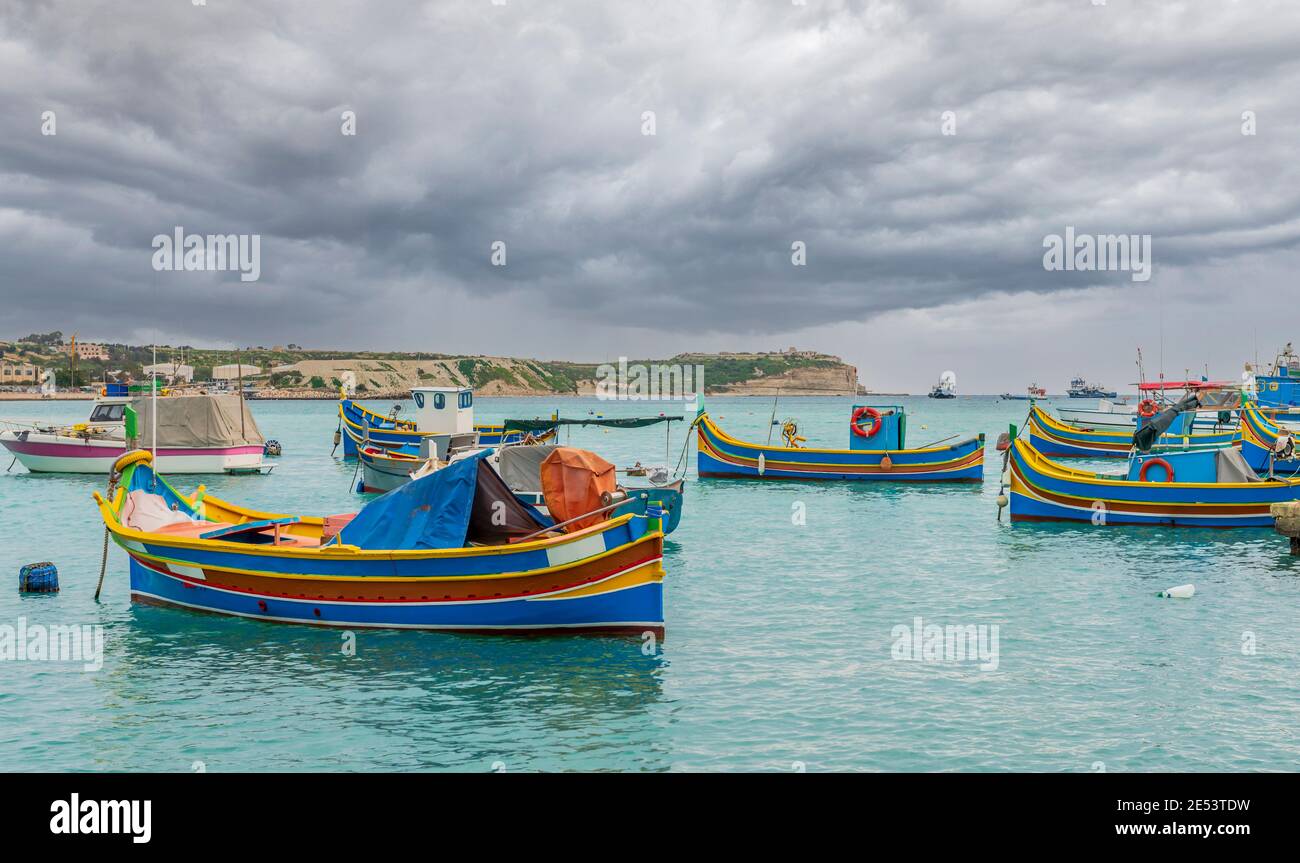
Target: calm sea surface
[779,635]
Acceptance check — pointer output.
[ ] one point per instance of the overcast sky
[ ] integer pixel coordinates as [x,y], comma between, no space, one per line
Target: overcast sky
[774,123]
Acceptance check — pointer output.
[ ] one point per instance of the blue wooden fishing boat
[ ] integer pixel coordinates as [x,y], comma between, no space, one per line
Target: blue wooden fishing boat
[877,452]
[1197,488]
[1278,391]
[437,411]
[1056,438]
[454,550]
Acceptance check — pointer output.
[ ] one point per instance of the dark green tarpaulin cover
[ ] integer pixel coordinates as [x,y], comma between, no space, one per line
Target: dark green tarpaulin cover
[614,422]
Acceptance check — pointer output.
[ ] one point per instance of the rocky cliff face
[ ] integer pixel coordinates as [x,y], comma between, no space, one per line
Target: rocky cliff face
[839,380]
[742,374]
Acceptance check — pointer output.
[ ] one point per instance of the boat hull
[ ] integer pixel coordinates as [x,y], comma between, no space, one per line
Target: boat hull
[46,453]
[721,456]
[1042,490]
[635,608]
[605,578]
[381,472]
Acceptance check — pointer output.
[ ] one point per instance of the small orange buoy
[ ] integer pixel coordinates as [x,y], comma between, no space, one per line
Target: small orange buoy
[886,463]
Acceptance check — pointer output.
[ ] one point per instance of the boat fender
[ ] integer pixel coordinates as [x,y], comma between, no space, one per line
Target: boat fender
[1158,462]
[134,457]
[1147,408]
[1004,442]
[886,463]
[1182,591]
[856,427]
[762,464]
[1284,447]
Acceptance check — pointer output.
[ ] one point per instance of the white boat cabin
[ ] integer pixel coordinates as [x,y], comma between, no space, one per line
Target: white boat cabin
[444,410]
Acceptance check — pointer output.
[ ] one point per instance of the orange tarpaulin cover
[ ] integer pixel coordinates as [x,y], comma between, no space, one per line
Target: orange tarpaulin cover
[572,482]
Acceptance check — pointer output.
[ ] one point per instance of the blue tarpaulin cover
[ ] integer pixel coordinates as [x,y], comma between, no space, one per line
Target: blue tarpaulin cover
[430,512]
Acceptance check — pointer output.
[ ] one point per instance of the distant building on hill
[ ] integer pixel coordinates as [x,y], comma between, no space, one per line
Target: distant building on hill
[91,351]
[174,372]
[232,372]
[19,373]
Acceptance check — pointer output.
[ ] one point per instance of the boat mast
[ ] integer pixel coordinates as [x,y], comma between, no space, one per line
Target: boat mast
[239,368]
[153,383]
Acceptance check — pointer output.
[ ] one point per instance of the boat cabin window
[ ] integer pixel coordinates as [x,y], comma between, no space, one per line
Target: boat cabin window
[107,413]
[466,399]
[439,401]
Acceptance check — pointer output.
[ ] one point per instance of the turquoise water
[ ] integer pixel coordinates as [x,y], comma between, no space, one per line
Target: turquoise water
[778,643]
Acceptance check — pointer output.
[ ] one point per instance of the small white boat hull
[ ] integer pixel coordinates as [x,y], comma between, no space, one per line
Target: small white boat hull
[52,453]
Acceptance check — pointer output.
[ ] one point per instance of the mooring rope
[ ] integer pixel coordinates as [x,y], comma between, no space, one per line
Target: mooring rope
[679,469]
[113,477]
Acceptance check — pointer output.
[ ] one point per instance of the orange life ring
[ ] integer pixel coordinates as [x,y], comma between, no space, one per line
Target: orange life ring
[1169,469]
[858,414]
[1147,408]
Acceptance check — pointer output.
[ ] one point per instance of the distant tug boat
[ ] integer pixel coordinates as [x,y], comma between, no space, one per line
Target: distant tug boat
[946,388]
[1081,389]
[1034,391]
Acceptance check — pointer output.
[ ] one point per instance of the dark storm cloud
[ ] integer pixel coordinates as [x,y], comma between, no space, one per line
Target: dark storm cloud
[775,123]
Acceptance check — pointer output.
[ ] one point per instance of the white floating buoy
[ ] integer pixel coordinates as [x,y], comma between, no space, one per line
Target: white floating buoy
[1182,591]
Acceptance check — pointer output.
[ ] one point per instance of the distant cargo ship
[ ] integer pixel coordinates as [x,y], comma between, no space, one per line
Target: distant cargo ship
[946,388]
[1081,389]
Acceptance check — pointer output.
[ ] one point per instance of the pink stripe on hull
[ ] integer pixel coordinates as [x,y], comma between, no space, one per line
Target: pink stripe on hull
[83,450]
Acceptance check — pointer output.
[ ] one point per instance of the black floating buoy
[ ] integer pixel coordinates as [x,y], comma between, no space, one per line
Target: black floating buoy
[40,577]
[272,448]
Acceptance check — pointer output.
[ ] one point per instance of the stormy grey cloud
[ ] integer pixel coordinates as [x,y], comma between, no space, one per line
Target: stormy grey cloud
[774,122]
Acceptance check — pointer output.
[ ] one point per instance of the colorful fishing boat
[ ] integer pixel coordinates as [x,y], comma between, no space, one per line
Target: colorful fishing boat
[195,434]
[1197,488]
[360,425]
[1058,439]
[1279,388]
[1267,447]
[454,550]
[876,438]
